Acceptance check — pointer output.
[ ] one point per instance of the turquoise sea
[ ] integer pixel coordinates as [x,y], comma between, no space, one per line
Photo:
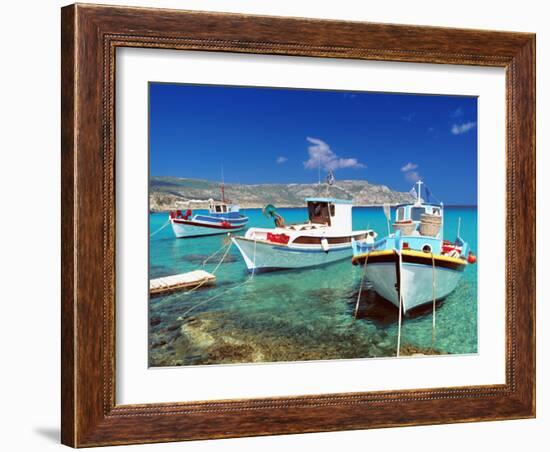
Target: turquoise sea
[295,315]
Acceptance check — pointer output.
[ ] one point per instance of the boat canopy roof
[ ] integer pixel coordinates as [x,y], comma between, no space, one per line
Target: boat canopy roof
[329,200]
[433,204]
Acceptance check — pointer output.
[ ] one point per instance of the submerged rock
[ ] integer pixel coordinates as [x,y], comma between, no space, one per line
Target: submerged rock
[413,350]
[230,353]
[256,335]
[158,343]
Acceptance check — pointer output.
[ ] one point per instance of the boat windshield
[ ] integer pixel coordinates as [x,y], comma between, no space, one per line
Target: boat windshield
[416,212]
[401,214]
[319,212]
[220,208]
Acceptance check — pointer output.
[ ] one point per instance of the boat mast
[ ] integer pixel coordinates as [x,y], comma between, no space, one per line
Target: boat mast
[418,198]
[222,188]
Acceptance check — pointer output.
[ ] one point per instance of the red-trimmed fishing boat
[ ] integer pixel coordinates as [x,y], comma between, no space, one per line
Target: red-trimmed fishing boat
[222,217]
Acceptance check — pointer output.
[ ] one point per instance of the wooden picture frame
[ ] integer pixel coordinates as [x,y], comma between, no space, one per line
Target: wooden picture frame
[90,36]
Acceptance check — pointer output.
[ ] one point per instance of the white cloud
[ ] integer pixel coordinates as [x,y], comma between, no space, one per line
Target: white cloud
[321,153]
[409,166]
[458,129]
[412,176]
[281,159]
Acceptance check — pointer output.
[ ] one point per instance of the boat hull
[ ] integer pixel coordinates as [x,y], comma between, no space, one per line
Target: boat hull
[417,273]
[264,256]
[188,229]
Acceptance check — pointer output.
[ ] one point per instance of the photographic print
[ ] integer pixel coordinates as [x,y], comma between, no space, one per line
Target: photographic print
[301,224]
[302,198]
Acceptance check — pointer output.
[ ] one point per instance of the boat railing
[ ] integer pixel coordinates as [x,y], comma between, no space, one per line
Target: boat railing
[364,246]
[256,234]
[464,245]
[304,226]
[399,241]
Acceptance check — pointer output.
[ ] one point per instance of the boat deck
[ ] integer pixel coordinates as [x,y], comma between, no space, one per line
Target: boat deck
[182,281]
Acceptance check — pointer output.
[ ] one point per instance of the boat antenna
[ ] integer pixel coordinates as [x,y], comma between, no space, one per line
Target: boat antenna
[442,230]
[319,174]
[222,187]
[387,214]
[330,181]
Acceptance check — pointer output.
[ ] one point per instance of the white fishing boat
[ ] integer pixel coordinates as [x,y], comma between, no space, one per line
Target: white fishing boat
[414,265]
[325,237]
[222,217]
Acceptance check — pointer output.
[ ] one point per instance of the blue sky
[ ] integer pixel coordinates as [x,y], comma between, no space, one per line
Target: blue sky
[268,135]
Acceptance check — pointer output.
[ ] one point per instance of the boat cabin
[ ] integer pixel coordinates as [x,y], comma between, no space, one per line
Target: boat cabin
[332,212]
[218,208]
[414,212]
[419,219]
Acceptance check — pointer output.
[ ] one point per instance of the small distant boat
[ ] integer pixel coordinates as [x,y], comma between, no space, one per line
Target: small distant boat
[324,238]
[222,218]
[414,265]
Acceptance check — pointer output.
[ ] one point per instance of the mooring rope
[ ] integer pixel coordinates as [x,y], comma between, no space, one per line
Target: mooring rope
[213,271]
[433,301]
[222,259]
[247,280]
[254,258]
[216,296]
[161,228]
[361,286]
[214,254]
[169,297]
[400,305]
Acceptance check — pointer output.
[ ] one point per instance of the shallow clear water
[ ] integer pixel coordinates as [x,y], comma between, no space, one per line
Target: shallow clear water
[296,315]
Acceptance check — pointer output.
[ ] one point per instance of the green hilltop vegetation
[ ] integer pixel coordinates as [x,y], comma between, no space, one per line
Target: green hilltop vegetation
[166,193]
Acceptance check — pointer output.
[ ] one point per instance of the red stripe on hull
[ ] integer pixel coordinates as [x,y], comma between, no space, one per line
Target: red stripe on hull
[203,225]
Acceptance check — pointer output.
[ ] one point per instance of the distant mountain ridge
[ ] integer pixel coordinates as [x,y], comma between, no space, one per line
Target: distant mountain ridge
[166,193]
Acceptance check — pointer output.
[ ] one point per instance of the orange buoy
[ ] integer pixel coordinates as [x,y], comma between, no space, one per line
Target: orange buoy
[471,258]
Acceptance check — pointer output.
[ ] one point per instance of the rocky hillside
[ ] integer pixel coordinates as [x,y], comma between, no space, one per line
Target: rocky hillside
[167,193]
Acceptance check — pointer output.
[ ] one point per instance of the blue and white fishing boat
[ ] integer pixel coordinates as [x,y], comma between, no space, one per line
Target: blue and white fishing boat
[222,218]
[414,265]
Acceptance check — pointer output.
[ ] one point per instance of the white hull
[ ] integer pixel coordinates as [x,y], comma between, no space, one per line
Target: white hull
[259,255]
[184,230]
[416,282]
